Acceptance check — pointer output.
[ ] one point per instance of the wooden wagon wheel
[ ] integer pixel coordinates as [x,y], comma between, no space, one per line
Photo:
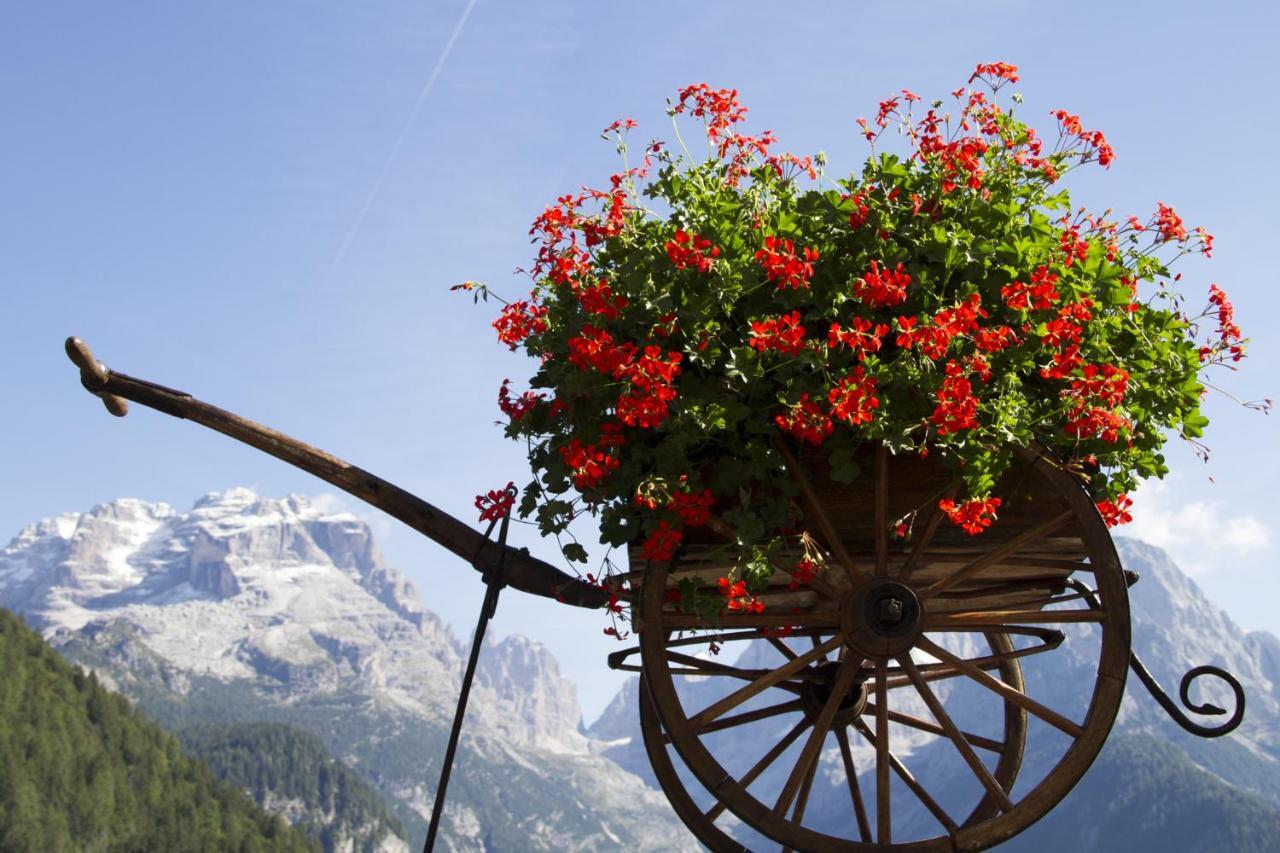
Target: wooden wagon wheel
[702,820]
[880,625]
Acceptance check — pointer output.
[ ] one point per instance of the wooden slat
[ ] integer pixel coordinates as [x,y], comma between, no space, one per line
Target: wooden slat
[934,519]
[1001,618]
[808,619]
[991,558]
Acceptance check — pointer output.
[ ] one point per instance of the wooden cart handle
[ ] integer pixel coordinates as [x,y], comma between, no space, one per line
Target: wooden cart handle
[521,570]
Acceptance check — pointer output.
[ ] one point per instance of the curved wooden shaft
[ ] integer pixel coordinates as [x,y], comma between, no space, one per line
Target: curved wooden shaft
[521,570]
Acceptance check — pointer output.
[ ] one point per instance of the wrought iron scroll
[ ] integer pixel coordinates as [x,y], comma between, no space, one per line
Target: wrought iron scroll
[1184,688]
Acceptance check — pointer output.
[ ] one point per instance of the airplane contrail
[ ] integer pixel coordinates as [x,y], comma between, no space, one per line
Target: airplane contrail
[404,134]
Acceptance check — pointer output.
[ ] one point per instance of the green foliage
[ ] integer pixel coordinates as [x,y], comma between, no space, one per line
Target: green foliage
[83,771]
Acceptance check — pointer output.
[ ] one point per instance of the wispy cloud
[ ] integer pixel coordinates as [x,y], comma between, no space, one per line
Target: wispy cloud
[404,134]
[1197,533]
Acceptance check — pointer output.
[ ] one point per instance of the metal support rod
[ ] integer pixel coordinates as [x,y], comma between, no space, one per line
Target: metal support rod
[493,585]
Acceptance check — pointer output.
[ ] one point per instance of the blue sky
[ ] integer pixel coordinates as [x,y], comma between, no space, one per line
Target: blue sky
[240,200]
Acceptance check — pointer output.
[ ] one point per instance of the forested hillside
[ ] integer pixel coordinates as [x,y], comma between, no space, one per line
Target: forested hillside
[293,771]
[81,770]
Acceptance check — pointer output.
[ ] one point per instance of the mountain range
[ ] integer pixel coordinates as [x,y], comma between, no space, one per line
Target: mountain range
[245,611]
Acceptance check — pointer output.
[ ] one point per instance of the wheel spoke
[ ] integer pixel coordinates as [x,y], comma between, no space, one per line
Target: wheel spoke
[855,793]
[933,728]
[709,668]
[819,516]
[911,782]
[1017,697]
[802,799]
[934,520]
[813,746]
[882,510]
[782,647]
[1002,618]
[763,764]
[939,671]
[761,684]
[752,716]
[953,732]
[992,557]
[884,831]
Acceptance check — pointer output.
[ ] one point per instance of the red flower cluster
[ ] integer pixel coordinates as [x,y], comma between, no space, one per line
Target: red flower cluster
[497,503]
[1040,294]
[1094,422]
[1105,383]
[782,264]
[974,515]
[853,399]
[1116,512]
[783,334]
[803,574]
[651,373]
[806,421]
[1169,224]
[516,407]
[687,251]
[589,464]
[861,337]
[1095,144]
[994,338]
[518,320]
[959,159]
[882,287]
[600,300]
[995,71]
[736,594]
[957,408]
[694,508]
[595,348]
[1093,396]
[1229,334]
[662,543]
[949,323]
[858,216]
[721,110]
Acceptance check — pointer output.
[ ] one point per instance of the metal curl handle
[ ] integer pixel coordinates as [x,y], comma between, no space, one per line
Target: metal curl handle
[1184,688]
[1207,708]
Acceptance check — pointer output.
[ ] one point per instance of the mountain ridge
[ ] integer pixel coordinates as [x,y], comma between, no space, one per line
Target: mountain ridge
[287,612]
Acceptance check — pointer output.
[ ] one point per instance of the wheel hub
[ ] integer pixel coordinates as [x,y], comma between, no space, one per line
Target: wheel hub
[881,618]
[815,692]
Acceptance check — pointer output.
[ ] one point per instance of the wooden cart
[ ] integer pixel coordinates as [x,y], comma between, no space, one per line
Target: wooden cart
[889,644]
